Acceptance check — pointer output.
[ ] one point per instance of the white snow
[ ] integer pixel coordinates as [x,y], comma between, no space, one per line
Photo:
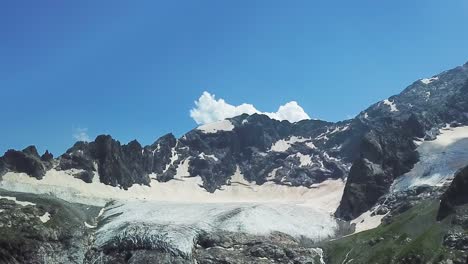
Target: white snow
[223,125]
[311,145]
[319,252]
[366,115]
[88,225]
[101,212]
[428,94]
[179,209]
[204,156]
[182,189]
[439,159]
[178,224]
[272,174]
[45,218]
[391,104]
[174,157]
[306,160]
[366,221]
[323,135]
[284,144]
[178,212]
[429,80]
[339,129]
[22,203]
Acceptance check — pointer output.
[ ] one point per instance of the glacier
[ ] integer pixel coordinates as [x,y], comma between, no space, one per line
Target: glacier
[439,159]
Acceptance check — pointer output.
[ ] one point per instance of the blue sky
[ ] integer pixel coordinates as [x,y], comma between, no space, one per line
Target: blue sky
[133,69]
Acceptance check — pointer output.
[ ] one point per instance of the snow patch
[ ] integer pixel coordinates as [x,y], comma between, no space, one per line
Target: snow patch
[101,212]
[284,144]
[204,156]
[223,125]
[88,225]
[310,145]
[305,160]
[22,203]
[391,104]
[367,221]
[429,80]
[272,174]
[174,157]
[428,94]
[45,218]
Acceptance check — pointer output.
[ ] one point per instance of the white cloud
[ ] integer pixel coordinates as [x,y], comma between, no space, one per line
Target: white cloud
[81,134]
[208,109]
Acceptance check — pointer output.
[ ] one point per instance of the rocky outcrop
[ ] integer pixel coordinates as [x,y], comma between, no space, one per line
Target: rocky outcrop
[218,247]
[311,155]
[43,230]
[228,247]
[116,164]
[119,165]
[385,153]
[456,194]
[3,167]
[458,241]
[391,127]
[27,161]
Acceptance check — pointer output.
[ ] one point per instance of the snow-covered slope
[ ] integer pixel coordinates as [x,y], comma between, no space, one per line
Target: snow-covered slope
[439,159]
[324,196]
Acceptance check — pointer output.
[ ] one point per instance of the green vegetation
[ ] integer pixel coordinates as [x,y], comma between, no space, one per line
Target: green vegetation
[415,234]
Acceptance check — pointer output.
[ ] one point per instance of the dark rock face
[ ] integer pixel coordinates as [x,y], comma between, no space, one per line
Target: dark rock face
[368,184]
[116,164]
[27,161]
[215,157]
[385,153]
[47,159]
[457,194]
[3,167]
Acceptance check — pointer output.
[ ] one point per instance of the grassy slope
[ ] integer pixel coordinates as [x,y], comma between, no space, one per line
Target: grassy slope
[415,232]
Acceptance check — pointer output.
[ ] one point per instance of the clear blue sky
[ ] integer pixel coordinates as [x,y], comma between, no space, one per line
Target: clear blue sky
[132,69]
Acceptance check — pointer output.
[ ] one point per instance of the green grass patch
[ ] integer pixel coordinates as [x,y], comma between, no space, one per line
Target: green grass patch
[414,232]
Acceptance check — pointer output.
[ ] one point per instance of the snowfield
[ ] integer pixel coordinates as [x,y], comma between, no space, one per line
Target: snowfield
[172,214]
[324,196]
[439,160]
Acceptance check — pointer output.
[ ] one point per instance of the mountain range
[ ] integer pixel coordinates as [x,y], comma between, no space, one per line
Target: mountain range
[387,186]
